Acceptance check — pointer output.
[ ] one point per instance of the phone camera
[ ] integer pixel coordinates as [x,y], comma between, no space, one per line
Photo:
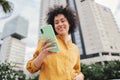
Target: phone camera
[41,31]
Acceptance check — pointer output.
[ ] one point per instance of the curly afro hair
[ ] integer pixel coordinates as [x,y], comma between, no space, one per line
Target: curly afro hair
[67,12]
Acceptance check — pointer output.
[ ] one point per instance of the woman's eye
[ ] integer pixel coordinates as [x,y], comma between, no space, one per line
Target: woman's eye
[63,21]
[56,22]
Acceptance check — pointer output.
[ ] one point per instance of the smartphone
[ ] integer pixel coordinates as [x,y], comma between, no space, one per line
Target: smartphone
[48,32]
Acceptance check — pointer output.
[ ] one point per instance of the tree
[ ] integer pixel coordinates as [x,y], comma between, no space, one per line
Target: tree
[110,70]
[93,71]
[6,6]
[113,68]
[34,78]
[8,73]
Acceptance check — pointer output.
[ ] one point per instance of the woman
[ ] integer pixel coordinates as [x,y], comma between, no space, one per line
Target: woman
[62,65]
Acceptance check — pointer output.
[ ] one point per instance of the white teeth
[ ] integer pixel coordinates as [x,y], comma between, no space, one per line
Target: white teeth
[61,29]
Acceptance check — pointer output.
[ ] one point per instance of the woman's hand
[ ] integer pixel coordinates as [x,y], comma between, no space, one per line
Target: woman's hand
[45,47]
[44,52]
[79,77]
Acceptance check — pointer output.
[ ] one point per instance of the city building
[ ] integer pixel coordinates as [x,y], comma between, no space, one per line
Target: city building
[16,27]
[97,34]
[13,49]
[77,36]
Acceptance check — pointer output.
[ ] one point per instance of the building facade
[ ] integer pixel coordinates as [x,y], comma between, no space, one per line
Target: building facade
[97,34]
[13,49]
[100,32]
[16,27]
[77,36]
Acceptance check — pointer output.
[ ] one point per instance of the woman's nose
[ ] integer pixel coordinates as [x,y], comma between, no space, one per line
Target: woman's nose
[60,24]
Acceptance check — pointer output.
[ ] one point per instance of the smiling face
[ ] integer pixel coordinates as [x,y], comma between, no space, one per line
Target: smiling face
[61,24]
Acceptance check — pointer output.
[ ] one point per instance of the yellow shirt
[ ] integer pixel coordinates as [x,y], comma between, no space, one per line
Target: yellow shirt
[63,65]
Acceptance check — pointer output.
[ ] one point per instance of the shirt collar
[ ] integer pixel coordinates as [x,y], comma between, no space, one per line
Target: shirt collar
[67,40]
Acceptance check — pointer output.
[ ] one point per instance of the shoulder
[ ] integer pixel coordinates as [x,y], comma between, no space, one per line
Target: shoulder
[74,45]
[76,48]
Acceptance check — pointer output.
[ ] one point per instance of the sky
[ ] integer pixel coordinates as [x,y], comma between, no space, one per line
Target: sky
[30,11]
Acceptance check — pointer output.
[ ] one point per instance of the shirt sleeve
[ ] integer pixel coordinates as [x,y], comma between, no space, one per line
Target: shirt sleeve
[30,64]
[77,66]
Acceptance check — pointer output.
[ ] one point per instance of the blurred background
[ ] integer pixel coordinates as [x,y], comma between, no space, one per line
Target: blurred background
[97,34]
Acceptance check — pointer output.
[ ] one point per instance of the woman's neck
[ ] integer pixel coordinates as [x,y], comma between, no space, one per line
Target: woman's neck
[65,37]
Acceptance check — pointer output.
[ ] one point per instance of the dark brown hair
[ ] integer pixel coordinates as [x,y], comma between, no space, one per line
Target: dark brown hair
[67,12]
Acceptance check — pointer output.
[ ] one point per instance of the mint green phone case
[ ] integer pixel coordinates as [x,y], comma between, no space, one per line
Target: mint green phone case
[48,32]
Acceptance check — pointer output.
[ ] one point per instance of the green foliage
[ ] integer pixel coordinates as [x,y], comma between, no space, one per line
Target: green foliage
[35,78]
[110,70]
[113,68]
[7,72]
[5,5]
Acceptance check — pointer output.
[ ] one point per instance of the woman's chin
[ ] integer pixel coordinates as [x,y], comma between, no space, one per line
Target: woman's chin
[62,34]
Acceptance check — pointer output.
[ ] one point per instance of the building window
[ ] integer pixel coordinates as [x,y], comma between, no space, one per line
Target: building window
[106,9]
[111,47]
[115,54]
[82,0]
[105,53]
